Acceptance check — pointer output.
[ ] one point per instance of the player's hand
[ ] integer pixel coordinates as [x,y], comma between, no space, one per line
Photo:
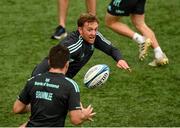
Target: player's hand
[88,112]
[123,65]
[23,125]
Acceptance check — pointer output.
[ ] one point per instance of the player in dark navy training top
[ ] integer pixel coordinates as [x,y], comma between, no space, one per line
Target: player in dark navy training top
[135,9]
[81,44]
[52,95]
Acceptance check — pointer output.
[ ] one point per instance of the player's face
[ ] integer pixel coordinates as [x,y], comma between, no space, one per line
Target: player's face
[88,31]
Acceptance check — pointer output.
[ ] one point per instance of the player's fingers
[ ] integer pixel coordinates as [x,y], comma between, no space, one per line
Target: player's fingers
[90,119]
[81,105]
[129,69]
[90,110]
[119,66]
[125,66]
[92,114]
[89,107]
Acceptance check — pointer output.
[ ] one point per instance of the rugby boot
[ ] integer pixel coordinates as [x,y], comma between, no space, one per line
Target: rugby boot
[143,48]
[60,33]
[160,61]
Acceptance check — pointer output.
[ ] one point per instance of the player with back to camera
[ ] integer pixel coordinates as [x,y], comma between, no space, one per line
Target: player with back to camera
[60,31]
[81,44]
[52,95]
[135,8]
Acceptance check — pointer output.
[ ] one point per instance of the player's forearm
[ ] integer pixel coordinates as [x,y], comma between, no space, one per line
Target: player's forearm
[116,55]
[27,108]
[20,107]
[78,118]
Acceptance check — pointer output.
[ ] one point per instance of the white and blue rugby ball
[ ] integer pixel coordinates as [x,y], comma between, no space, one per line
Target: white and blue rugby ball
[96,75]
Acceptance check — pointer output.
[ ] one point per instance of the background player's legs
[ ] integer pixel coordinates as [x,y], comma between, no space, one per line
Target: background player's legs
[116,25]
[60,31]
[113,22]
[63,5]
[91,6]
[139,23]
[62,12]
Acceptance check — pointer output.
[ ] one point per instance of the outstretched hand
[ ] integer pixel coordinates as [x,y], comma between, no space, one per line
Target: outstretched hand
[88,112]
[123,65]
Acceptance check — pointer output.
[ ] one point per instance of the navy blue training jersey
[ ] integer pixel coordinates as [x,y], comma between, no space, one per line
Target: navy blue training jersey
[80,52]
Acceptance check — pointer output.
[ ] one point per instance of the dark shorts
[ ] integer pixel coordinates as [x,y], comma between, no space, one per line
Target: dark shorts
[126,7]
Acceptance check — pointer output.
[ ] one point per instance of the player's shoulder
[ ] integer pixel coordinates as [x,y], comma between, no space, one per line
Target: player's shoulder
[38,77]
[100,38]
[74,42]
[72,38]
[72,84]
[34,77]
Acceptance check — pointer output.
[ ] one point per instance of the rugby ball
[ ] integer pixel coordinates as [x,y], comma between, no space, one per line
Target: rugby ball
[96,76]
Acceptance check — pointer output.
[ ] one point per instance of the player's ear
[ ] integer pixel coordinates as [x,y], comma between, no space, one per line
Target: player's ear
[80,30]
[66,66]
[48,62]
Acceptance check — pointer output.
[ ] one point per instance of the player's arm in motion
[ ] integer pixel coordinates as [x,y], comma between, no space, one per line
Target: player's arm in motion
[20,107]
[105,45]
[77,117]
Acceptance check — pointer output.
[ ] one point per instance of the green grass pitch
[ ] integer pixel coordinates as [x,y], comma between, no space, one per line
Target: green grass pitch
[146,97]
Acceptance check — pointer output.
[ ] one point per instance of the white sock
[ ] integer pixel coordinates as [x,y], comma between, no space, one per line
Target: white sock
[158,52]
[138,38]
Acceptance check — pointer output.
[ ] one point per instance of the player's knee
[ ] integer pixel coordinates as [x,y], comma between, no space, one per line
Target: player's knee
[140,25]
[109,22]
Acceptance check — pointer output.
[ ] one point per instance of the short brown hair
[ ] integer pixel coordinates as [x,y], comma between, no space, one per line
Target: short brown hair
[58,56]
[86,17]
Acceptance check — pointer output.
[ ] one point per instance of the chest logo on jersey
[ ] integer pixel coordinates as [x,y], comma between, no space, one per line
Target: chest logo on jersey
[46,83]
